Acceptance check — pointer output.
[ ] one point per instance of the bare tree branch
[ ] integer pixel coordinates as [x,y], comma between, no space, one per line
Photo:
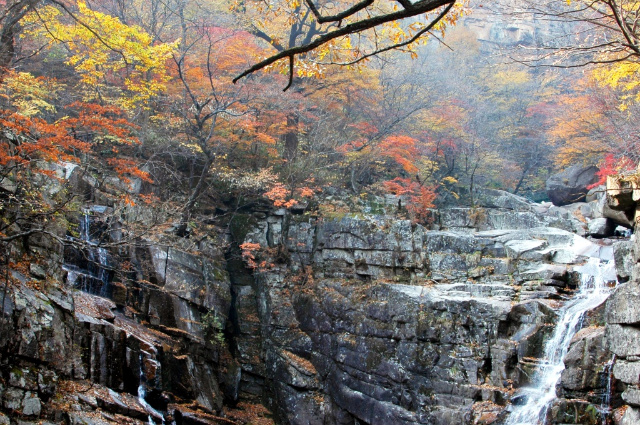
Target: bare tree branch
[418,8]
[413,39]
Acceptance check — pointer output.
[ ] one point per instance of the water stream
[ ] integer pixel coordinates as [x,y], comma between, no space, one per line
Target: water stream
[142,394]
[93,274]
[595,275]
[605,405]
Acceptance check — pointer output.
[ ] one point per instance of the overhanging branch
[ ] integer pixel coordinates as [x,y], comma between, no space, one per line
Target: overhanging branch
[421,7]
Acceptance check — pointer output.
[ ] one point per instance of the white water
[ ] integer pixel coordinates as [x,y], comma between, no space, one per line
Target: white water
[593,291]
[605,405]
[142,394]
[98,263]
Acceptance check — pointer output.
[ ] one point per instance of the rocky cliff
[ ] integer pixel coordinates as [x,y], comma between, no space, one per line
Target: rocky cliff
[343,318]
[622,314]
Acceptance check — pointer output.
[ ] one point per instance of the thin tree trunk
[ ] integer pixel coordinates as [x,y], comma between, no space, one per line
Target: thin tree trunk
[291,137]
[195,194]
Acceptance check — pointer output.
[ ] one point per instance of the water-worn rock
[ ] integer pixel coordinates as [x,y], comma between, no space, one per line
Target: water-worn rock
[627,371]
[632,396]
[624,341]
[622,218]
[631,417]
[492,198]
[570,185]
[623,256]
[577,412]
[601,227]
[622,193]
[343,344]
[622,305]
[583,370]
[356,319]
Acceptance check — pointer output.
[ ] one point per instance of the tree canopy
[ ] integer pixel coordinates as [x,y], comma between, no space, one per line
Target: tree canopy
[179,103]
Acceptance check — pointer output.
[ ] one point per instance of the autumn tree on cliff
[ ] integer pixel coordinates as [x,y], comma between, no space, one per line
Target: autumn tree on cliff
[211,123]
[113,69]
[215,114]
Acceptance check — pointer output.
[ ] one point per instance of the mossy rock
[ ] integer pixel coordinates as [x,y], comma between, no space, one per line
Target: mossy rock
[576,412]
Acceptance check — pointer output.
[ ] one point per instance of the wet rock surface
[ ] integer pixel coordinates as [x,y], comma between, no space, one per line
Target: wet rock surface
[347,319]
[405,324]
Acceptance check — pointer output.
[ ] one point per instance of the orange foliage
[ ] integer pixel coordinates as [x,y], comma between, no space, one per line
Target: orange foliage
[33,139]
[283,197]
[91,130]
[248,250]
[403,150]
[420,197]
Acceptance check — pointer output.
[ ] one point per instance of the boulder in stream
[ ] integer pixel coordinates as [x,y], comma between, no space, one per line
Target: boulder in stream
[570,185]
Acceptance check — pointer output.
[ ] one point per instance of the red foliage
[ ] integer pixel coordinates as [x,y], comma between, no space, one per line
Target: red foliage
[89,132]
[33,139]
[283,197]
[248,253]
[403,150]
[610,166]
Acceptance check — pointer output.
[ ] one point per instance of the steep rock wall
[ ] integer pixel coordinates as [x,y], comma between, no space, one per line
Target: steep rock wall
[622,313]
[375,320]
[359,319]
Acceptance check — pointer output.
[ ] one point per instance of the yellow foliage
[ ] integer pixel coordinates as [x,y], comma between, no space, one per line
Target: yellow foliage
[276,21]
[29,95]
[104,51]
[623,75]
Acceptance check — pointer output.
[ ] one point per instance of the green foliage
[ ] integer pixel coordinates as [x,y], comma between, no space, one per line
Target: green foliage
[213,328]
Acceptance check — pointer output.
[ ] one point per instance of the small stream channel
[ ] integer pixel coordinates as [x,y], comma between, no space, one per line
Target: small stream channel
[89,268]
[597,276]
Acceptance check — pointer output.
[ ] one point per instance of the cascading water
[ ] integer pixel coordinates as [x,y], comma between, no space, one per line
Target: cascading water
[142,394]
[595,275]
[92,275]
[605,405]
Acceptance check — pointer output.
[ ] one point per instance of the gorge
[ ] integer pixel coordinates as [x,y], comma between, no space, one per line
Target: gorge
[366,318]
[195,232]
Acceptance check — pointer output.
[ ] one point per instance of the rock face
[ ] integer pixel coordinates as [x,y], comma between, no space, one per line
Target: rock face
[60,346]
[381,321]
[570,185]
[622,315]
[345,319]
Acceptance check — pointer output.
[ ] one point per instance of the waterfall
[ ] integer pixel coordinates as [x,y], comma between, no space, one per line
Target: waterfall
[605,405]
[593,291]
[142,394]
[90,271]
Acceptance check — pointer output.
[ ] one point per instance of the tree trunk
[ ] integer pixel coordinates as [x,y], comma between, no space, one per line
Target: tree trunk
[520,181]
[291,137]
[9,25]
[6,51]
[195,194]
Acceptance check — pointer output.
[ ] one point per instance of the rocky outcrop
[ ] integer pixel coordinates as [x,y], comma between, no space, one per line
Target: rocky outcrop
[382,321]
[570,185]
[76,357]
[622,316]
[344,319]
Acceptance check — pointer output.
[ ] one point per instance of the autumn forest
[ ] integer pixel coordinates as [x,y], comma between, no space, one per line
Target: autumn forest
[186,103]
